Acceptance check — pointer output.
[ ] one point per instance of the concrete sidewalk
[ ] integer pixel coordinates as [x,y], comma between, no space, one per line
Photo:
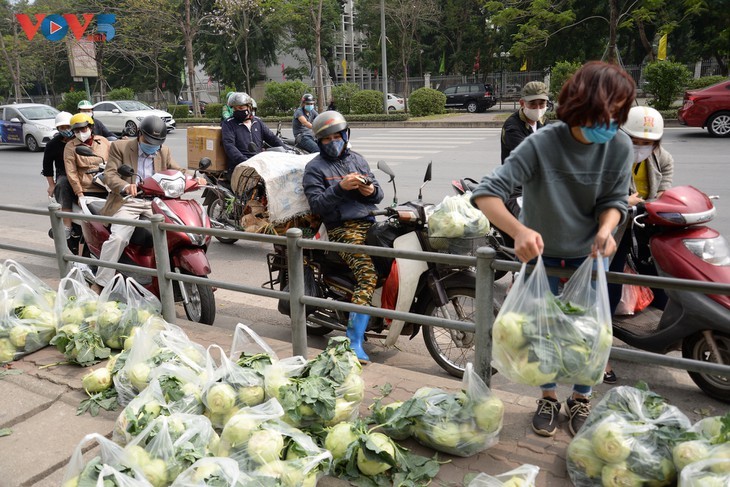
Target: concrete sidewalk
[39,406]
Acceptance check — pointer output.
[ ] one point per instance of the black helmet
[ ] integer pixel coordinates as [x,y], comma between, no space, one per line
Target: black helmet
[154,129]
[328,123]
[307,98]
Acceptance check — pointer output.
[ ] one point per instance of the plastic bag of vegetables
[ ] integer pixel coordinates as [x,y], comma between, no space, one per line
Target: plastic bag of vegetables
[75,303]
[141,306]
[177,390]
[27,322]
[229,387]
[247,343]
[708,439]
[156,342]
[713,472]
[456,217]
[522,476]
[107,468]
[110,309]
[13,274]
[169,445]
[540,338]
[627,440]
[461,424]
[214,472]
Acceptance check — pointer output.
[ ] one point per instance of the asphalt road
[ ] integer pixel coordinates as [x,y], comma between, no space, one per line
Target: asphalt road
[700,160]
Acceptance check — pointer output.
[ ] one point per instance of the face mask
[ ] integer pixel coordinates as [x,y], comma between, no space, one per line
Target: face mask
[149,149]
[83,136]
[66,133]
[534,114]
[600,134]
[309,108]
[642,152]
[334,148]
[241,115]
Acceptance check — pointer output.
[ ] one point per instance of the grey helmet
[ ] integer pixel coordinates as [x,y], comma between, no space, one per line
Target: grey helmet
[328,123]
[154,129]
[239,98]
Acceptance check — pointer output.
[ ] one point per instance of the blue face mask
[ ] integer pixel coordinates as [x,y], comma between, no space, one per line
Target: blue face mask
[309,108]
[334,148]
[600,134]
[66,133]
[149,149]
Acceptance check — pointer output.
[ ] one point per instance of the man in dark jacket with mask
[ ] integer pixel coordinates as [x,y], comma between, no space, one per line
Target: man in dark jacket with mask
[243,134]
[341,188]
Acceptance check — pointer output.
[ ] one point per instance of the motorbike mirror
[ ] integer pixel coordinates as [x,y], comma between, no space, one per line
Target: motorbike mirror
[383,166]
[84,150]
[204,163]
[426,179]
[126,170]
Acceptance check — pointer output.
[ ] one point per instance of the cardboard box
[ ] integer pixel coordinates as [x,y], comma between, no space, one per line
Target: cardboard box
[205,141]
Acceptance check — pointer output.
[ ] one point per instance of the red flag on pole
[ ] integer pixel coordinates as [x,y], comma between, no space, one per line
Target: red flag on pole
[476,61]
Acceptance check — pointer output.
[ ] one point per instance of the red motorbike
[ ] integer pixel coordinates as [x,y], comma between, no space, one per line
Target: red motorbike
[187,250]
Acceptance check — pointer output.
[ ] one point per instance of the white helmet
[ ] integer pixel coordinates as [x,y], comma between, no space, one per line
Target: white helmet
[63,118]
[644,123]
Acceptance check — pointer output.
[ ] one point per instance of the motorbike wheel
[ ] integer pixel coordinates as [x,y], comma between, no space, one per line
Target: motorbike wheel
[453,349]
[216,211]
[200,307]
[695,347]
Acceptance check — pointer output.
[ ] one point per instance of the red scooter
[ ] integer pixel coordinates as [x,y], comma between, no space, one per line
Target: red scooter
[187,250]
[680,246]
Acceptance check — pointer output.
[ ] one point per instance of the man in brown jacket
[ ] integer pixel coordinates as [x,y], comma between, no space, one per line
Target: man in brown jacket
[146,155]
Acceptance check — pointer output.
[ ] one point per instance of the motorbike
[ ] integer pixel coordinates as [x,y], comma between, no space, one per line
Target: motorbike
[680,245]
[187,250]
[404,285]
[290,145]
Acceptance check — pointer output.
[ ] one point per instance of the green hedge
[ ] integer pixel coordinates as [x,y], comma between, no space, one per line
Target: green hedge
[342,95]
[213,110]
[120,94]
[367,101]
[178,111]
[71,100]
[705,81]
[426,101]
[559,74]
[665,80]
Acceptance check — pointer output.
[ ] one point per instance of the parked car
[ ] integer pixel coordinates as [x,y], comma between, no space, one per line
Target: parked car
[475,97]
[126,115]
[29,124]
[708,107]
[396,103]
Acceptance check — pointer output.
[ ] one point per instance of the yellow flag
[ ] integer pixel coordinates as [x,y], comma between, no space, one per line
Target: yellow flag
[524,65]
[344,68]
[662,49]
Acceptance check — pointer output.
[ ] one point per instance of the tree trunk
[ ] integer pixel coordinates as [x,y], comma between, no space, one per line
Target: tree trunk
[722,64]
[612,26]
[246,33]
[188,33]
[319,82]
[644,41]
[14,67]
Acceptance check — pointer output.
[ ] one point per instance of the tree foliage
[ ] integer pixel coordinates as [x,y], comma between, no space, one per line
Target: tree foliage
[665,80]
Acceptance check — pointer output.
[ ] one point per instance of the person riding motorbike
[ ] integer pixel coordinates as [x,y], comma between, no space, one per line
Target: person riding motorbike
[58,186]
[86,107]
[78,166]
[301,124]
[241,129]
[340,187]
[146,155]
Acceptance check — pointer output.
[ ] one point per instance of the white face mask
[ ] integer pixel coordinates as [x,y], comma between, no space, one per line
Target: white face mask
[83,136]
[534,114]
[642,152]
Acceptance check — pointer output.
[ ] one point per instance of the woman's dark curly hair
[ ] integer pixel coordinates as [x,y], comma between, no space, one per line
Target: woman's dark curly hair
[589,95]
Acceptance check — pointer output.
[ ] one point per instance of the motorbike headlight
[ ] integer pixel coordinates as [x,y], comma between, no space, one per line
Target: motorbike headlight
[715,251]
[173,188]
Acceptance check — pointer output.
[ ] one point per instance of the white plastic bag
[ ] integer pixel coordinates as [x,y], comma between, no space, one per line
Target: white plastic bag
[522,476]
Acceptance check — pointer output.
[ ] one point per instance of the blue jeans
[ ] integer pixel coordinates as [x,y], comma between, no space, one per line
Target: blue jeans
[554,282]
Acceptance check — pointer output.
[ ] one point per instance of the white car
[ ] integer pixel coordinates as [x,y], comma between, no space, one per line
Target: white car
[396,103]
[27,124]
[126,115]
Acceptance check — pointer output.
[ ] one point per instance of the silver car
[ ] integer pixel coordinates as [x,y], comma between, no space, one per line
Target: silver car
[27,124]
[126,115]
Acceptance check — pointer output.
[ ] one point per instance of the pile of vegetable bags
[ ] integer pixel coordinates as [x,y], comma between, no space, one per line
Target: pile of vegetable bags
[461,424]
[522,476]
[455,218]
[540,338]
[27,320]
[703,460]
[627,441]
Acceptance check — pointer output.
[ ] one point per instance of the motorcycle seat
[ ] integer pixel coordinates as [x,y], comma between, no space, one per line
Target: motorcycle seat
[95,207]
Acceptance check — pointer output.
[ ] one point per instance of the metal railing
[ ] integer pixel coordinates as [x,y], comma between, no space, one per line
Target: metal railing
[484,262]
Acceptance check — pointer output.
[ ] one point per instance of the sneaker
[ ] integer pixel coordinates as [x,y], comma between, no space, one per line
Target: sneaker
[609,377]
[578,411]
[545,420]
